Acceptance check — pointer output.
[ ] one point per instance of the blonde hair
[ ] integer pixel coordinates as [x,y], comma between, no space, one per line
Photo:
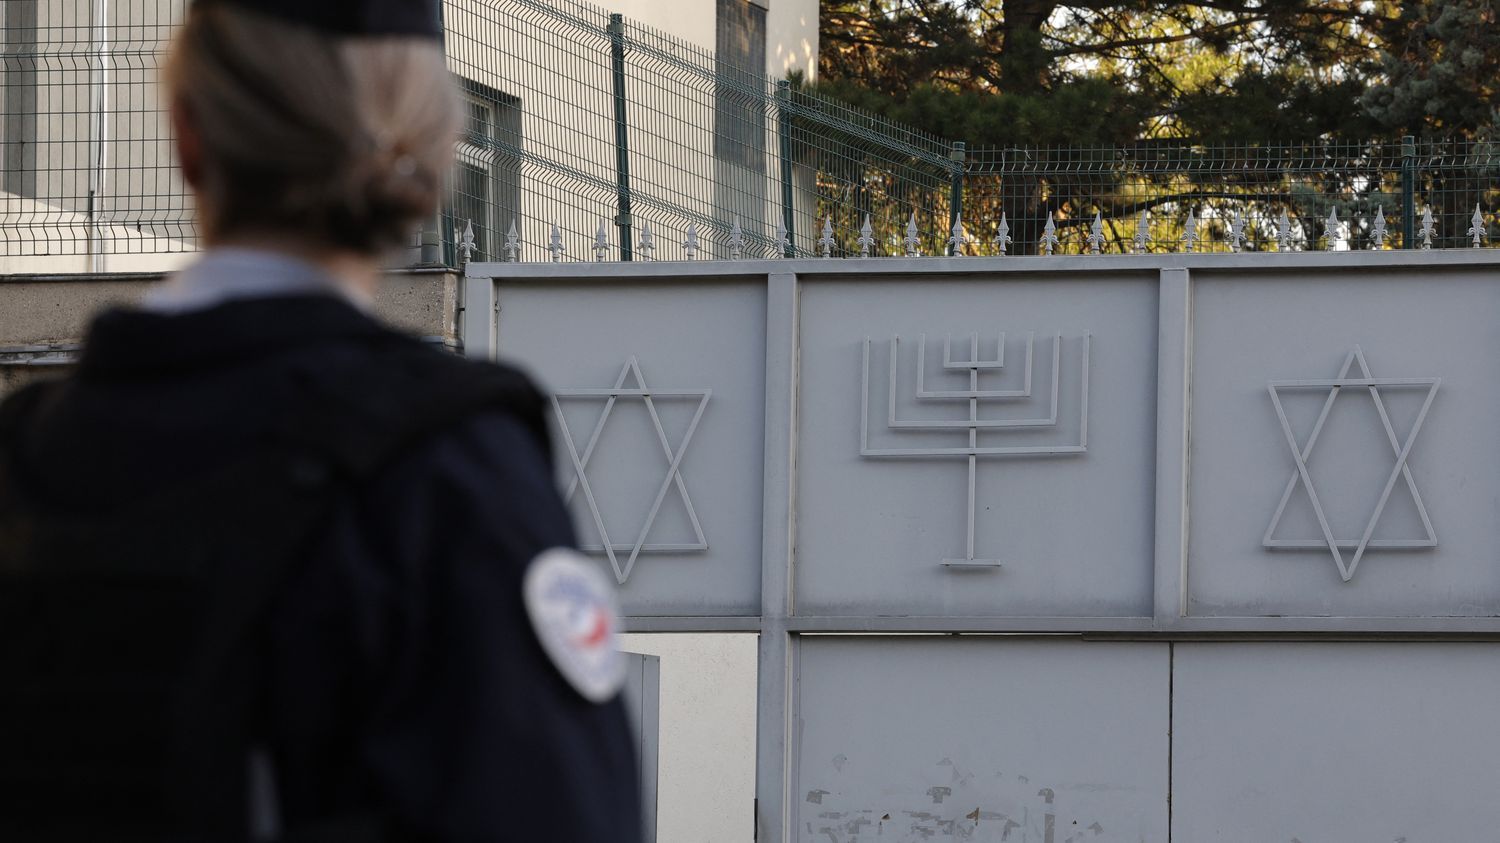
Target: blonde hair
[338,140]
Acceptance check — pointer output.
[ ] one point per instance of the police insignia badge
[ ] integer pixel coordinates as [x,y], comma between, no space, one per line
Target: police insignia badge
[572,608]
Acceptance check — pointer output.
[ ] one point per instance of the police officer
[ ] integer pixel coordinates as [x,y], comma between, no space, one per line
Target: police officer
[269,570]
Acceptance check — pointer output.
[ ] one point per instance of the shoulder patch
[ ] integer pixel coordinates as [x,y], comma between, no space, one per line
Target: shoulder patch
[572,608]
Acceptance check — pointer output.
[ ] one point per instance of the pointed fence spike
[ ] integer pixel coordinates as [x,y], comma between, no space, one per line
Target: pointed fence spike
[512,243]
[1190,232]
[601,242]
[690,245]
[646,245]
[1476,226]
[1142,232]
[1377,229]
[1049,237]
[866,239]
[556,246]
[957,239]
[736,241]
[466,242]
[1096,234]
[1331,230]
[783,244]
[1429,227]
[825,242]
[1237,231]
[1283,232]
[1002,234]
[911,241]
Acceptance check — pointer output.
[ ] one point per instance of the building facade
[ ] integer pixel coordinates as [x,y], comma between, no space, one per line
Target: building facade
[663,103]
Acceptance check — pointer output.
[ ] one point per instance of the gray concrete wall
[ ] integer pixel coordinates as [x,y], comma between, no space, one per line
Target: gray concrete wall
[43,318]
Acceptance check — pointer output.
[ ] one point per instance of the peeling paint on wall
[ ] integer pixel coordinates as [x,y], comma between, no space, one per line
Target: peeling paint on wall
[975,806]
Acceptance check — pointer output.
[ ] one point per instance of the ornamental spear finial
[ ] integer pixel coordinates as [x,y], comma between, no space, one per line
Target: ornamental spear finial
[1002,234]
[826,241]
[512,243]
[958,240]
[1283,232]
[910,240]
[866,239]
[601,242]
[1096,234]
[1190,233]
[1142,232]
[736,241]
[647,244]
[466,242]
[1049,237]
[783,243]
[1237,230]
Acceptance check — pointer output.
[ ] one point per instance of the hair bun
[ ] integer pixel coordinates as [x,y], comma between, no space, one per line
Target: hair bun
[385,190]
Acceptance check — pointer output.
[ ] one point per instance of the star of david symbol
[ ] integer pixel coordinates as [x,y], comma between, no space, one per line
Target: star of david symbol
[673,458]
[1400,470]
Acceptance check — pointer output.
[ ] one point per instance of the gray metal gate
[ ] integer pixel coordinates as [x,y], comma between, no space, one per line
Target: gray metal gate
[1129,548]
[643,700]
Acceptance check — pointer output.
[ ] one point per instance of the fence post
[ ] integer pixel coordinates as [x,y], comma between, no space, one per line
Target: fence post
[783,110]
[956,190]
[622,145]
[1408,192]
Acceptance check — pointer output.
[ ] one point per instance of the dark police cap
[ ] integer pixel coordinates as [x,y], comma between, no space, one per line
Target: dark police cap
[351,17]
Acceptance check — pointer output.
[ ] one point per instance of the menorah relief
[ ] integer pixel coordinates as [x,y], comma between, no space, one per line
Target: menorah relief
[981,431]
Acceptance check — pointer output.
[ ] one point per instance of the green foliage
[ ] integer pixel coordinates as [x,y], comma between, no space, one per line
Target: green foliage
[1440,66]
[1039,72]
[1090,111]
[1213,107]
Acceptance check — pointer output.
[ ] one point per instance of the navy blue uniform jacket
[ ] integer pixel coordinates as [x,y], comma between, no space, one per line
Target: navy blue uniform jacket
[404,675]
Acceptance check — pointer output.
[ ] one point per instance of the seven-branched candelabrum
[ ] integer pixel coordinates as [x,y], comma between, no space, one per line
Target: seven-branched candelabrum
[979,429]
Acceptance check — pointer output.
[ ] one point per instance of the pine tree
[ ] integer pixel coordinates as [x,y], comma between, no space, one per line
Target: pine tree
[1064,79]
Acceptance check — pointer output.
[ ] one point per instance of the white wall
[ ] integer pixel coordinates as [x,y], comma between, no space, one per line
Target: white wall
[706,790]
[791,27]
[792,37]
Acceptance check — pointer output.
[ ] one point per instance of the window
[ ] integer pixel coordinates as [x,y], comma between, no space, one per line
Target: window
[18,97]
[739,117]
[487,173]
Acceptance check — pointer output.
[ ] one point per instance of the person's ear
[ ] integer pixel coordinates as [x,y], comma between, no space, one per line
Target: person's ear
[189,143]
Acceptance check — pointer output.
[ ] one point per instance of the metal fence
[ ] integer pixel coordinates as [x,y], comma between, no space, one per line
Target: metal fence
[1175,196]
[591,137]
[84,137]
[617,135]
[575,118]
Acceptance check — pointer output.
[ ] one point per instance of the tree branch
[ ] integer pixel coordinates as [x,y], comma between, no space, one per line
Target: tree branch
[1134,208]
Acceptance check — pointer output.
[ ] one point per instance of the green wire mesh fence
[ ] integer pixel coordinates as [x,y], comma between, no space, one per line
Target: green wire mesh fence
[1174,196]
[591,137]
[615,140]
[84,137]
